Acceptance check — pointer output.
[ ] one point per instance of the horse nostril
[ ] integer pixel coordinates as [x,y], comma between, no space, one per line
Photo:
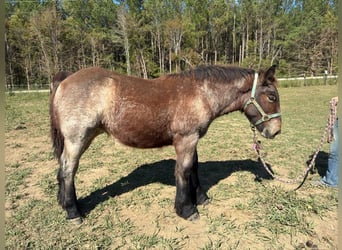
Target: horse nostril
[278,132]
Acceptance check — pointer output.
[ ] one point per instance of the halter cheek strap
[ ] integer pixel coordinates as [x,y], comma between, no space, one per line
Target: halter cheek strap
[264,117]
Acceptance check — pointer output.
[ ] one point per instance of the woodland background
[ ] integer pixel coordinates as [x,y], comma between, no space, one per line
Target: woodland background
[154,37]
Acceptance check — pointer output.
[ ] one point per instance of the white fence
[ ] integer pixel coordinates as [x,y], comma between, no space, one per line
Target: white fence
[303,81]
[28,91]
[307,78]
[307,81]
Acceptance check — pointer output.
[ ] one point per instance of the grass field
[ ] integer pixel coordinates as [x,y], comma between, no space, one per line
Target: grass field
[128,194]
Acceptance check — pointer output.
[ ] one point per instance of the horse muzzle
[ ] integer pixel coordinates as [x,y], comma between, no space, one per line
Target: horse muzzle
[271,129]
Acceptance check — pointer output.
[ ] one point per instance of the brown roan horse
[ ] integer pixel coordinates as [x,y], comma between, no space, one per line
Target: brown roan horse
[175,109]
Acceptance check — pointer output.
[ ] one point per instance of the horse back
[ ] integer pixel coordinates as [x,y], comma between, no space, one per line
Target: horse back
[133,110]
[138,112]
[149,113]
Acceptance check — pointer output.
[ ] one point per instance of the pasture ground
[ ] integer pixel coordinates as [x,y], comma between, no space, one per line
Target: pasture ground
[127,194]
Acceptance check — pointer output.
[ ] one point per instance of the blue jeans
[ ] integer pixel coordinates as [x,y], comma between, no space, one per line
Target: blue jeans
[331,176]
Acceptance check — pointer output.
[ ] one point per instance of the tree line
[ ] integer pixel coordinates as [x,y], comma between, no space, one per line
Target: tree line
[155,37]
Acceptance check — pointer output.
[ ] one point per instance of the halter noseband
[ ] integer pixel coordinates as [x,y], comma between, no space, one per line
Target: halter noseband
[264,117]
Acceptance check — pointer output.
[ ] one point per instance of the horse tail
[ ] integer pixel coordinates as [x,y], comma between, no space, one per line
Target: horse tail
[57,136]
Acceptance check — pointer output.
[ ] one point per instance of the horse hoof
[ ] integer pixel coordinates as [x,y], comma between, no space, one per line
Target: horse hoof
[193,217]
[205,202]
[76,221]
[203,199]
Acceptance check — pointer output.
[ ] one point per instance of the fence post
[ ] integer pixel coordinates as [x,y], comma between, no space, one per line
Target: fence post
[325,77]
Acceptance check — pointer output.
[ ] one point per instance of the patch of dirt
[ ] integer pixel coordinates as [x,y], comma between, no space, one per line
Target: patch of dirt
[20,153]
[156,218]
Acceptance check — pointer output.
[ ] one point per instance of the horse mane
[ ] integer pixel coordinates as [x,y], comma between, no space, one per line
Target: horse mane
[215,73]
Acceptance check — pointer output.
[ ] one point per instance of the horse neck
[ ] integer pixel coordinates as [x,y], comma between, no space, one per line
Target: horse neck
[227,98]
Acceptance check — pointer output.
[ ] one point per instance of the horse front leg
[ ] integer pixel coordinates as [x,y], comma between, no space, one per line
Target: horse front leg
[186,182]
[201,196]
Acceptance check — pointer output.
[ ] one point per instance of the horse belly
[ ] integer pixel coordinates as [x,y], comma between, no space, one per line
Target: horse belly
[141,128]
[144,140]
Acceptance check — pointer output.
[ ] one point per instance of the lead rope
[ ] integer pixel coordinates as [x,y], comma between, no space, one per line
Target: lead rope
[327,130]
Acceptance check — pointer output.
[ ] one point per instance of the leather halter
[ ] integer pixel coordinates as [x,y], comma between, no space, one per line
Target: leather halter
[264,117]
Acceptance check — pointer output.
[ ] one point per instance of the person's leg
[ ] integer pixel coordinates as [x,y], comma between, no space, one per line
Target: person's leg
[331,176]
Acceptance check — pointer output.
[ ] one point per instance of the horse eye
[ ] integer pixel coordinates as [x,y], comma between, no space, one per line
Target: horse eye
[271,98]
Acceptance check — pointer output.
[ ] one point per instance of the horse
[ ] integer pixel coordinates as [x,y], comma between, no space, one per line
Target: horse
[174,109]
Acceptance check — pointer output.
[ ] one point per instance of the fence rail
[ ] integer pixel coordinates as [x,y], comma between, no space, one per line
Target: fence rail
[307,78]
[283,82]
[28,91]
[307,81]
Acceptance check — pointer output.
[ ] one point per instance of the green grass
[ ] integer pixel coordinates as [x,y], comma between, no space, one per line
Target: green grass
[307,82]
[128,194]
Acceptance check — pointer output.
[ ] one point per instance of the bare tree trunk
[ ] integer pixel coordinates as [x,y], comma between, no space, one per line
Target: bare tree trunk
[143,64]
[46,58]
[175,33]
[93,51]
[256,45]
[161,55]
[261,46]
[170,60]
[83,62]
[215,56]
[8,52]
[275,55]
[128,63]
[27,72]
[122,21]
[56,26]
[247,39]
[234,40]
[177,48]
[242,50]
[11,75]
[240,55]
[27,78]
[333,53]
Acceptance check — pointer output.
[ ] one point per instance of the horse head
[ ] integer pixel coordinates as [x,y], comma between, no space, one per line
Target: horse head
[263,107]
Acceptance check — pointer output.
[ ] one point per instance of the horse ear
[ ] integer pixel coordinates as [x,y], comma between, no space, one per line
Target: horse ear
[269,75]
[270,71]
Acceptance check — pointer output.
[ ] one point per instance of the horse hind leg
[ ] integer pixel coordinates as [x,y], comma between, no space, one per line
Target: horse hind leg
[67,193]
[75,144]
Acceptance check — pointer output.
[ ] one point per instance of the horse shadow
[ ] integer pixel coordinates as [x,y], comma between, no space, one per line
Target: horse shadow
[210,173]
